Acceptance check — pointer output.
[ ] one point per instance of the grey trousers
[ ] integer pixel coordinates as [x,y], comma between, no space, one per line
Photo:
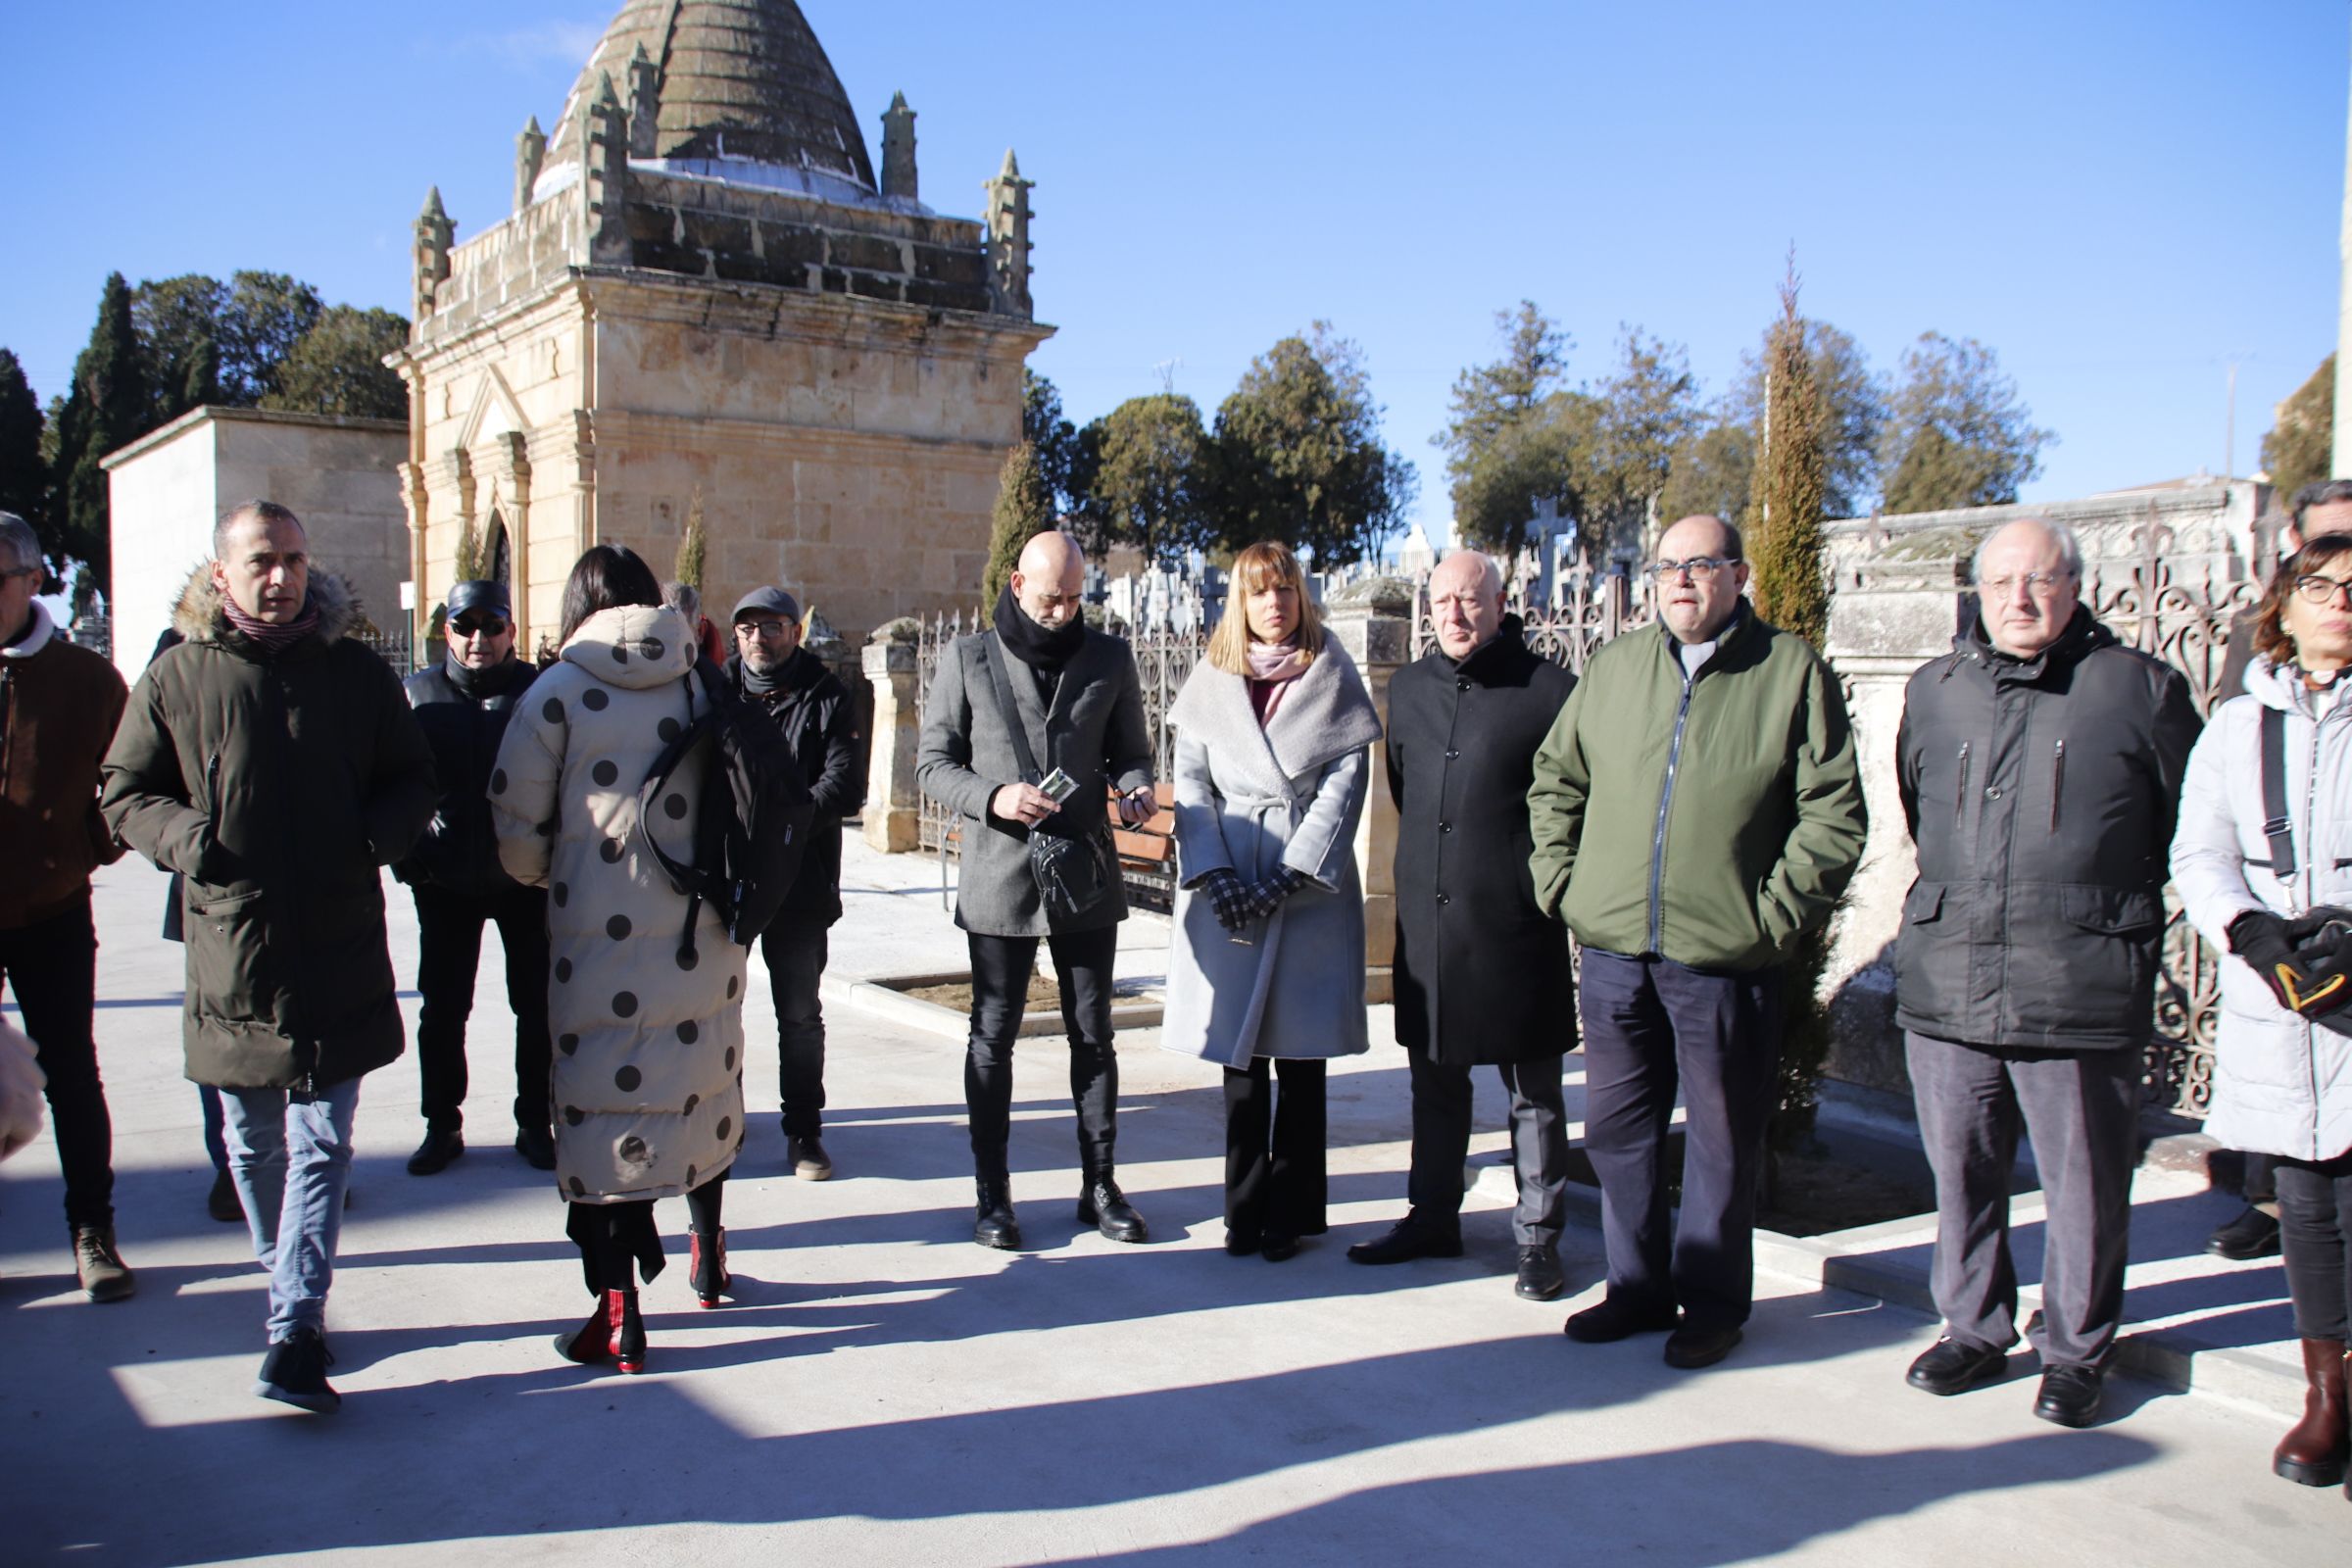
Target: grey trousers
[1442,1116]
[2081,1111]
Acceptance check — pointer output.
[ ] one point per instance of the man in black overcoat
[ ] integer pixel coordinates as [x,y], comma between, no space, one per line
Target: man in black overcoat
[1481,974]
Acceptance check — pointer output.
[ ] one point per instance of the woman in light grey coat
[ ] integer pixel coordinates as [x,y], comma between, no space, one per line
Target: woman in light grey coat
[647,1013]
[2282,1072]
[1274,732]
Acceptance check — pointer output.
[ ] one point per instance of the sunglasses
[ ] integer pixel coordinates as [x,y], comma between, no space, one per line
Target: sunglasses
[479,625]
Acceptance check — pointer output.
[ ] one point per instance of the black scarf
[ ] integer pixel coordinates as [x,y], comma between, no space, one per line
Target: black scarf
[798,671]
[498,680]
[1042,648]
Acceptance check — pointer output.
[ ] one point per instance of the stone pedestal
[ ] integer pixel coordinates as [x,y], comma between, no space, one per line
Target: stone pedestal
[892,802]
[1883,624]
[1373,622]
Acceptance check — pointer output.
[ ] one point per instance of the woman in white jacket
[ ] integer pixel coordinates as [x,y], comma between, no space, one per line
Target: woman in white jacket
[1267,972]
[2283,1061]
[648,1015]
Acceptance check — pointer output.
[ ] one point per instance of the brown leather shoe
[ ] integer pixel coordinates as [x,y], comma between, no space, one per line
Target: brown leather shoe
[2315,1454]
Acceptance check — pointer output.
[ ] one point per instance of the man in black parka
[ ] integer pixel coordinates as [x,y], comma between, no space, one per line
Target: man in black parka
[811,708]
[1480,972]
[464,703]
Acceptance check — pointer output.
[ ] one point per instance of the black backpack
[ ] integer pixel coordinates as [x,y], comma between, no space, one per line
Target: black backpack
[755,815]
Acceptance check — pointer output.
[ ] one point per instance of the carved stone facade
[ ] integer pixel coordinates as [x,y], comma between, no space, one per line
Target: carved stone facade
[705,297]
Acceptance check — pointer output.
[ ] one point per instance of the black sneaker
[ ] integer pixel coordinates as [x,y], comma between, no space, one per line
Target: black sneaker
[222,1202]
[100,1269]
[810,1161]
[294,1373]
[537,1147]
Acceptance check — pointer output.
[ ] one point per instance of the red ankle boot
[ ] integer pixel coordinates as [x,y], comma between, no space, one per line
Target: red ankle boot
[2316,1452]
[592,1341]
[706,1266]
[628,1329]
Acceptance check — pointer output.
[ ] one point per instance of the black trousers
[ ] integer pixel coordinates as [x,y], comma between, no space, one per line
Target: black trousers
[796,967]
[2314,1224]
[1001,970]
[52,967]
[2261,1185]
[1442,1145]
[448,954]
[1275,1183]
[1651,1026]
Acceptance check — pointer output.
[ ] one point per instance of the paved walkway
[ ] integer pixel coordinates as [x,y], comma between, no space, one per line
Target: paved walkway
[883,1392]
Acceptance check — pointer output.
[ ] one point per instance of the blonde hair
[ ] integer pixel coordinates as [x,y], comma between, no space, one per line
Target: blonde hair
[1266,564]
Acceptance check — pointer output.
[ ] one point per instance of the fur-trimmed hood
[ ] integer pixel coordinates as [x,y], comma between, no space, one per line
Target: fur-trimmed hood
[200,618]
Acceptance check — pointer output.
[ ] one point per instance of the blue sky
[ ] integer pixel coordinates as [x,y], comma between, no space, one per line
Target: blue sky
[2120,199]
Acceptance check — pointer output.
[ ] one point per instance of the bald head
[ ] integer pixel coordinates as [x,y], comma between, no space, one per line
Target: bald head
[1048,580]
[1465,603]
[2029,578]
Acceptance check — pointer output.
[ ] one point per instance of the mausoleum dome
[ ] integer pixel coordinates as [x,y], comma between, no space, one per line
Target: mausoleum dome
[736,83]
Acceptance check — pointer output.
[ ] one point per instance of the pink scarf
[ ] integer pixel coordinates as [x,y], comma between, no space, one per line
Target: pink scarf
[1273,667]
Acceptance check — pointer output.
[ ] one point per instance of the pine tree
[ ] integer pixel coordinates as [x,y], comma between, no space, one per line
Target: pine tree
[2298,450]
[24,473]
[1785,513]
[110,405]
[1024,510]
[468,564]
[688,568]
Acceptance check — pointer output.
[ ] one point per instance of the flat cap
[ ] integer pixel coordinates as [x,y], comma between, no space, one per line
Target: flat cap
[771,600]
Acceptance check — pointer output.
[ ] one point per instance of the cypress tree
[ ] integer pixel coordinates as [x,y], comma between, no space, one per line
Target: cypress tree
[1785,513]
[1024,510]
[109,407]
[24,474]
[688,568]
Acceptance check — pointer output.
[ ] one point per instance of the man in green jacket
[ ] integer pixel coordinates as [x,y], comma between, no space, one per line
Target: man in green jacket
[1696,810]
[274,762]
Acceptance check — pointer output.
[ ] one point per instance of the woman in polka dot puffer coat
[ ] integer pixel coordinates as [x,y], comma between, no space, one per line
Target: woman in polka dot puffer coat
[647,1093]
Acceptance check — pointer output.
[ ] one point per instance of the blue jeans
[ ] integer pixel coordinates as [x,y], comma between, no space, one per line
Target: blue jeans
[291,1156]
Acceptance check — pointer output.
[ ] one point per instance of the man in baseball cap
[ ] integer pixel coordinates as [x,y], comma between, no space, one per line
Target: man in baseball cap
[812,709]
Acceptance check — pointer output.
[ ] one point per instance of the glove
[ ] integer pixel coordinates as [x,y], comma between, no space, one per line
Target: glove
[1227,897]
[1266,897]
[20,1083]
[2266,944]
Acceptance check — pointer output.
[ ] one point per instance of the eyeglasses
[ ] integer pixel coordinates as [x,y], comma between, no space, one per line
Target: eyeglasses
[2315,589]
[478,626]
[2041,584]
[760,628]
[1700,568]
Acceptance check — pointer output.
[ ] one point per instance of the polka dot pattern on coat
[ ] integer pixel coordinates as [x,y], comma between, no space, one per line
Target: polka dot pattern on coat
[562,969]
[569,1045]
[632,1150]
[651,648]
[692,1101]
[688,959]
[617,928]
[596,699]
[676,806]
[579,1188]
[627,1079]
[669,729]
[607,773]
[498,781]
[733,985]
[689,1032]
[620,655]
[574,1116]
[726,1125]
[613,849]
[553,712]
[624,1005]
[561,893]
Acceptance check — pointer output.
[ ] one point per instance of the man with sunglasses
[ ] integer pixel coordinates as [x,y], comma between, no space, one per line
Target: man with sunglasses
[1696,810]
[809,704]
[2041,765]
[464,703]
[59,707]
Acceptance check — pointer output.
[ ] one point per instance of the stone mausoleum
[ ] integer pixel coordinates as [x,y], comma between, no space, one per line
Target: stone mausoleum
[705,297]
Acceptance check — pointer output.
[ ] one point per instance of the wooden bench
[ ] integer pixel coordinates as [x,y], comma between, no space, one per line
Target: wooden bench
[1149,845]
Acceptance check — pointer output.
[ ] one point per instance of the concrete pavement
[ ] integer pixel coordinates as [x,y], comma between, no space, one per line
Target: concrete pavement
[881,1391]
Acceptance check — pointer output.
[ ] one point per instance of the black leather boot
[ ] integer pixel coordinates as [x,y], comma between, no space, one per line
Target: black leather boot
[995,1224]
[1103,1206]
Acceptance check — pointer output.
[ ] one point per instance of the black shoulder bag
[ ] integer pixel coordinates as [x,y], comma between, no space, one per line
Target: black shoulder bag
[1076,876]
